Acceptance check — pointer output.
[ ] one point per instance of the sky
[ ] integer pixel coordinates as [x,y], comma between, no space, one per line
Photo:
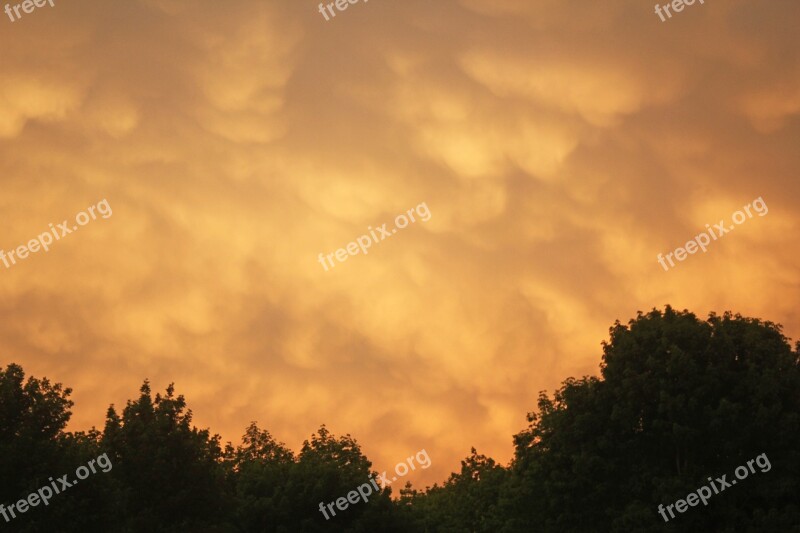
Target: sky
[558,148]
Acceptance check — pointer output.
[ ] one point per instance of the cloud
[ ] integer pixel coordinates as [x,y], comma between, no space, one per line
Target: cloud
[559,147]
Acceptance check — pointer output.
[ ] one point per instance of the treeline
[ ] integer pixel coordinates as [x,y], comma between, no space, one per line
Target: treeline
[678,400]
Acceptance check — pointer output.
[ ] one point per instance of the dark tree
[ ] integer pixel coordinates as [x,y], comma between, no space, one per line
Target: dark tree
[170,474]
[261,468]
[329,468]
[34,448]
[679,400]
[467,501]
[33,415]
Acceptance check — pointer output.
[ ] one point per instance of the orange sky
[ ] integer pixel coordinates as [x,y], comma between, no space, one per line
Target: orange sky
[560,147]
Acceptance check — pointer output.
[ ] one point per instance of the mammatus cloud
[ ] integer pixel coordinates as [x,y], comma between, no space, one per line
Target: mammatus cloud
[559,148]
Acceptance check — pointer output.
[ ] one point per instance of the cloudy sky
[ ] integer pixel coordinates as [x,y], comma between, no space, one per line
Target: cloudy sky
[559,146]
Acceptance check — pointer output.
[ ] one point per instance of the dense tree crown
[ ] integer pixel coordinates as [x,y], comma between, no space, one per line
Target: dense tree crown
[678,400]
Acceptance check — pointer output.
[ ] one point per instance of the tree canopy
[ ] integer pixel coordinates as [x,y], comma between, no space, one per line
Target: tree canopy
[677,401]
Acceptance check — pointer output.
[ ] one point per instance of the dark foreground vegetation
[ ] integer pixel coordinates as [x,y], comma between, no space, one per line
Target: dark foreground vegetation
[678,400]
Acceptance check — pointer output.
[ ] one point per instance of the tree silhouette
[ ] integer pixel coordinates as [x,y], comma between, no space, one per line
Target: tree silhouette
[261,468]
[170,474]
[35,448]
[33,415]
[467,501]
[678,400]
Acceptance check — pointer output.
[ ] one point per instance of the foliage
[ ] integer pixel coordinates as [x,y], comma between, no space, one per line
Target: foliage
[677,400]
